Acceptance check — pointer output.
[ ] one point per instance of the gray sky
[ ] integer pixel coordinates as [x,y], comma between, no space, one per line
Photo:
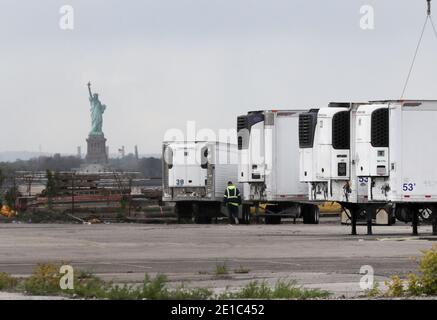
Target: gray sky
[159,63]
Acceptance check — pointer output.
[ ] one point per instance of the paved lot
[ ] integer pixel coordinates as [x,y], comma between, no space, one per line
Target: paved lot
[323,256]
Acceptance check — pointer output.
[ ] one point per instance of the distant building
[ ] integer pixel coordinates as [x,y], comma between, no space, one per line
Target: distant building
[136,153]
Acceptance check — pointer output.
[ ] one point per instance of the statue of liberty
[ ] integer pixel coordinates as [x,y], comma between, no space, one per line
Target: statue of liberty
[97,109]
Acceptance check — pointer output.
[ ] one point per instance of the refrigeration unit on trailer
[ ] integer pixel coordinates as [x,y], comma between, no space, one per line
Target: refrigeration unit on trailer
[195,176]
[324,152]
[395,150]
[269,165]
[327,164]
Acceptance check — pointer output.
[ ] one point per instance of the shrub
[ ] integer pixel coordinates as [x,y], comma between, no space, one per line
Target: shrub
[428,271]
[395,287]
[424,283]
[44,280]
[414,286]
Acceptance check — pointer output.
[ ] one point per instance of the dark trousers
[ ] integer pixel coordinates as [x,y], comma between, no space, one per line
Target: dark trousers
[232,213]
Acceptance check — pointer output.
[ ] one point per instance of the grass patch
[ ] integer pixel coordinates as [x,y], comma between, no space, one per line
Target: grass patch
[87,285]
[221,268]
[282,290]
[7,282]
[241,269]
[183,293]
[45,280]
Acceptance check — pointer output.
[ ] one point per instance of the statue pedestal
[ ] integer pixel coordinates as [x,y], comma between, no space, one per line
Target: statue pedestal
[96,149]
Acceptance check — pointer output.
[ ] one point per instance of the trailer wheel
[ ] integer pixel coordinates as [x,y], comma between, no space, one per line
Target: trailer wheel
[403,213]
[310,214]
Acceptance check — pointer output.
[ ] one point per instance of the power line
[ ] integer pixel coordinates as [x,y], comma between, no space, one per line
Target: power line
[414,58]
[433,26]
[428,17]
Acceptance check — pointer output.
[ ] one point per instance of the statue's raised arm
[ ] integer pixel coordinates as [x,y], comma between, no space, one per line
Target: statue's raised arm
[89,89]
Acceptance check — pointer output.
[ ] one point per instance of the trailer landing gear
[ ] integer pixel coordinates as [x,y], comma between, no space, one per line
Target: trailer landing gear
[415,221]
[434,221]
[353,221]
[370,211]
[412,212]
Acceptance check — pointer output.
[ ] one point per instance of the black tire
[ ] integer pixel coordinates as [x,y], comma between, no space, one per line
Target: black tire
[310,214]
[404,214]
[245,214]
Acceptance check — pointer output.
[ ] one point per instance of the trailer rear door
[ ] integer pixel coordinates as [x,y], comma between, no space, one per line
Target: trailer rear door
[286,158]
[187,169]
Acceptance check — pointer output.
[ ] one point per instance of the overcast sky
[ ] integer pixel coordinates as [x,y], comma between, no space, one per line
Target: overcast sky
[159,63]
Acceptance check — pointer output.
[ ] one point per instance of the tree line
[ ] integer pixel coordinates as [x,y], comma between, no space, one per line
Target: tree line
[149,167]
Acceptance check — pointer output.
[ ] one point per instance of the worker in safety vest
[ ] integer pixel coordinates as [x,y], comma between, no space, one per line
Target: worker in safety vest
[232,200]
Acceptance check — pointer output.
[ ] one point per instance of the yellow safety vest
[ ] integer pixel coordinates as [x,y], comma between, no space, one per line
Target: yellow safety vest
[231,193]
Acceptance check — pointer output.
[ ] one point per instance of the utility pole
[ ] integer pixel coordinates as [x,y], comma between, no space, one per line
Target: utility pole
[72,193]
[14,191]
[130,195]
[29,179]
[429,7]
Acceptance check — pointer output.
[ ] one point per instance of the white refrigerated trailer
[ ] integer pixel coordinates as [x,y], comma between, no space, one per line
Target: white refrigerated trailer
[395,150]
[269,166]
[327,162]
[386,162]
[195,176]
[324,153]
